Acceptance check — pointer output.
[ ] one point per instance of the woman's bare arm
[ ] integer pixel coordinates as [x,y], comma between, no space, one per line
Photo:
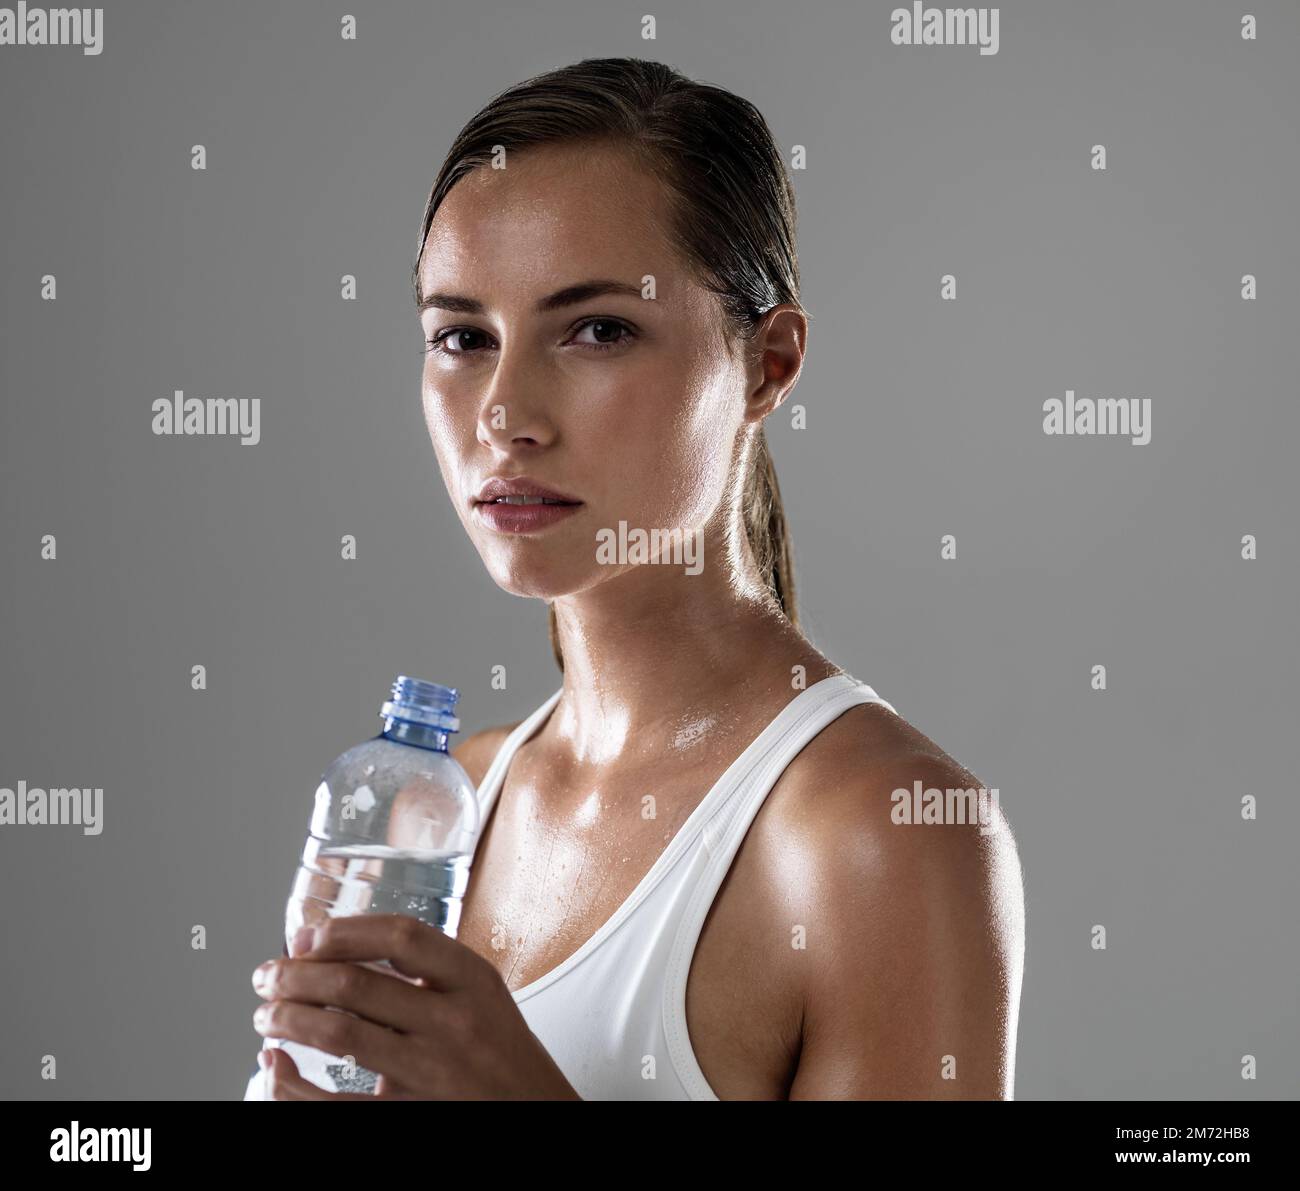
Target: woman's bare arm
[915,946]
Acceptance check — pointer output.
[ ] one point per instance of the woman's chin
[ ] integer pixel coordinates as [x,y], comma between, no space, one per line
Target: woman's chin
[536,581]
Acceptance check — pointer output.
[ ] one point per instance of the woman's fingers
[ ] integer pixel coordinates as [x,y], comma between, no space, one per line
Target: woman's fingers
[377,996]
[413,1025]
[414,948]
[335,1033]
[283,1081]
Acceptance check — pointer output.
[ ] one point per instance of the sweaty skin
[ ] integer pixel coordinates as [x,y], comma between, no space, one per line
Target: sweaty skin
[908,983]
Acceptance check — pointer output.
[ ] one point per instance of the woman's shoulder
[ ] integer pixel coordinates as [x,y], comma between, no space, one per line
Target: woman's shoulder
[870,745]
[476,751]
[901,868]
[872,799]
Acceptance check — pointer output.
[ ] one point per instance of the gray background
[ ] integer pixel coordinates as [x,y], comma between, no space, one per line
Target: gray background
[924,418]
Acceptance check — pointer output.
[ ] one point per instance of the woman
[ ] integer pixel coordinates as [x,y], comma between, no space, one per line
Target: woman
[690,884]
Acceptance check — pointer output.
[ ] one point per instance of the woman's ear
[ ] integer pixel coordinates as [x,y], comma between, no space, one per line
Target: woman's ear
[774,356]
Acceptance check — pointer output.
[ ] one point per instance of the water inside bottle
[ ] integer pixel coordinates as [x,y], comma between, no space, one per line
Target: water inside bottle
[336,881]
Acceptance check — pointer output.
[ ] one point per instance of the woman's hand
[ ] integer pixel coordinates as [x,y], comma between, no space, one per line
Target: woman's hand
[453,1032]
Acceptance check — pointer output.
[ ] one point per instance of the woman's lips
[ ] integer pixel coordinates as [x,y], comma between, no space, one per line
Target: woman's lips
[515,518]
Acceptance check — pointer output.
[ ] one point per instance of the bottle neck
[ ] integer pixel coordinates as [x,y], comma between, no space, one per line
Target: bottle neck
[421,736]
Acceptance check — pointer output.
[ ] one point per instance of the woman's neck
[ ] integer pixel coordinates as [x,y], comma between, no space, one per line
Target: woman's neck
[653,646]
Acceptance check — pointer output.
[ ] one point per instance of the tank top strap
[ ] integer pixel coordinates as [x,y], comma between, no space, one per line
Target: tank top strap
[797,724]
[801,720]
[725,812]
[490,786]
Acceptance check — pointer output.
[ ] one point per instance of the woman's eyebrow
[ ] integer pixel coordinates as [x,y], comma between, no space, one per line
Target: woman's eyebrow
[570,295]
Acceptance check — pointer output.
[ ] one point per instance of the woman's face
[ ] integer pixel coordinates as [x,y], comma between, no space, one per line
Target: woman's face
[636,417]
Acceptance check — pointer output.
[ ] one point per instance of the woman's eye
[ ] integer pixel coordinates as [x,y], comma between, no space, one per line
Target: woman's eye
[602,326]
[451,342]
[436,343]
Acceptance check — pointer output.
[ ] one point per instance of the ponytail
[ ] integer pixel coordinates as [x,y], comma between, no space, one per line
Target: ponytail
[769,536]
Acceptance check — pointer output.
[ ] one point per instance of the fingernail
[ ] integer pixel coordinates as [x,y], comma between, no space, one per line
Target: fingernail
[262,977]
[260,1016]
[303,940]
[264,1059]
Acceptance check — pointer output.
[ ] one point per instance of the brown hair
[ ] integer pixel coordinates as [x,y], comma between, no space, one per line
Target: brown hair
[733,213]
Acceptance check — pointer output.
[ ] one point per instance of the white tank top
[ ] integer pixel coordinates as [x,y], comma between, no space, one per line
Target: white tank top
[613,1014]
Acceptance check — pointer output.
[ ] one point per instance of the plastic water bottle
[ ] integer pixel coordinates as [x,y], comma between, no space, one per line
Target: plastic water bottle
[393,831]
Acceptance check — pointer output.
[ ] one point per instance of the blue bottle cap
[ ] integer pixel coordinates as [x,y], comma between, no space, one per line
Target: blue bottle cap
[423,703]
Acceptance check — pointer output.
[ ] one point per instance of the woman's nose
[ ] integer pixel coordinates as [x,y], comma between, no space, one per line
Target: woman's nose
[503,425]
[515,408]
